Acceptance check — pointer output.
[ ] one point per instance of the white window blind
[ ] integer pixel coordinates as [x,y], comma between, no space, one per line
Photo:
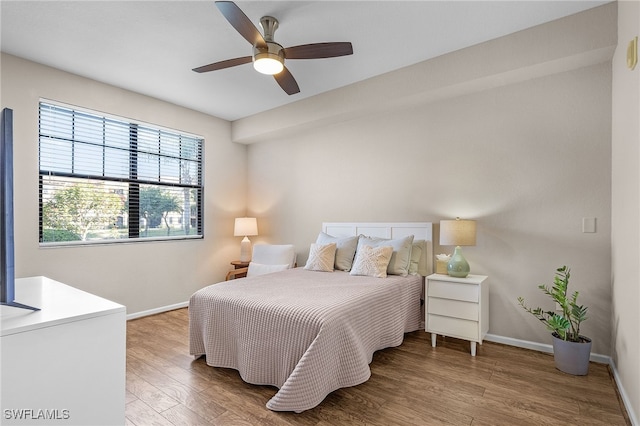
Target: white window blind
[107,179]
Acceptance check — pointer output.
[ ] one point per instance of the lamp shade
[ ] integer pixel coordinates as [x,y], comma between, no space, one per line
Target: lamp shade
[458,232]
[245,226]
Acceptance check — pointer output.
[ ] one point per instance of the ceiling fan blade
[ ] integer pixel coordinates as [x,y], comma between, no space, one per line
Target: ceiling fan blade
[287,82]
[224,64]
[241,23]
[319,50]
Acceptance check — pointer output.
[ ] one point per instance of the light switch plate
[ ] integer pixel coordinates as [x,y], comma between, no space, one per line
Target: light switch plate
[632,53]
[588,224]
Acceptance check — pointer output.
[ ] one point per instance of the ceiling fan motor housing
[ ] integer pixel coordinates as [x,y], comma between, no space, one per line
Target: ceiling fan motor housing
[268,60]
[272,51]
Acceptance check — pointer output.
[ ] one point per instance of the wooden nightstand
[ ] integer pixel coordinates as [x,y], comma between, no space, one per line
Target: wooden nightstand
[239,264]
[457,307]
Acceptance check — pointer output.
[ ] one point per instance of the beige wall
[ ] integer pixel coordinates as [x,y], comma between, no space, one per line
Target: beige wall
[625,329]
[526,157]
[142,276]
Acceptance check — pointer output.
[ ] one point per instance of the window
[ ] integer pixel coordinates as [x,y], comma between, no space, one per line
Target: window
[107,179]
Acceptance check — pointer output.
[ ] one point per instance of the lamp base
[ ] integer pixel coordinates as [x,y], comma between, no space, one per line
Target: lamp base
[245,250]
[458,266]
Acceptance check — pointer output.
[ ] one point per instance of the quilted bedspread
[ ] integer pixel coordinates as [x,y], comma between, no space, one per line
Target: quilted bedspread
[307,333]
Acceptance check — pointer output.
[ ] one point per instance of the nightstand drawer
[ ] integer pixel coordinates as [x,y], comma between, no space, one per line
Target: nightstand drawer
[453,308]
[455,291]
[453,327]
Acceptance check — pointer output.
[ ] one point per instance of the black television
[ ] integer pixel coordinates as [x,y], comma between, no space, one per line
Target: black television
[7,266]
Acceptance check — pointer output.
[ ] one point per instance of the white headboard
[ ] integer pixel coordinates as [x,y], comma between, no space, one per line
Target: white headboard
[422,231]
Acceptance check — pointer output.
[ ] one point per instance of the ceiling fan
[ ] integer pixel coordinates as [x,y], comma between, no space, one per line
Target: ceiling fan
[268,56]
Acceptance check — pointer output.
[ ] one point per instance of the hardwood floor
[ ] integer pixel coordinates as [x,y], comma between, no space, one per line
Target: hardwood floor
[413,384]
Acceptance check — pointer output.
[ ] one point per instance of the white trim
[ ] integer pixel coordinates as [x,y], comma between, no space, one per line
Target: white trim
[625,398]
[159,310]
[535,346]
[540,347]
[603,359]
[95,243]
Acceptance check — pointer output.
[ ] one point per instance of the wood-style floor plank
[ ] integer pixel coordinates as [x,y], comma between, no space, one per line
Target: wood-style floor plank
[413,384]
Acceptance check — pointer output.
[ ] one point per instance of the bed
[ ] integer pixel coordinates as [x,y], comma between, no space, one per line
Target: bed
[308,332]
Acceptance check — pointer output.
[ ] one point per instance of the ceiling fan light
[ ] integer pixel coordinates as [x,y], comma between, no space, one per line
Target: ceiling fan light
[268,63]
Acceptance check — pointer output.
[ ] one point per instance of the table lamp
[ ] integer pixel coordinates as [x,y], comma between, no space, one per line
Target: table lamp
[458,233]
[245,227]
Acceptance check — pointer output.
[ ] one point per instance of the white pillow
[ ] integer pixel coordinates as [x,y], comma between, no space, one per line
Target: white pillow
[401,258]
[345,249]
[274,254]
[261,269]
[372,261]
[321,257]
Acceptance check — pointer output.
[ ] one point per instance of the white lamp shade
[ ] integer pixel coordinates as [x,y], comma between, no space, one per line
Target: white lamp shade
[245,226]
[458,232]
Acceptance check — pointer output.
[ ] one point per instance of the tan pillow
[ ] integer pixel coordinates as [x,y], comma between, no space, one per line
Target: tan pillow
[321,257]
[372,261]
[416,254]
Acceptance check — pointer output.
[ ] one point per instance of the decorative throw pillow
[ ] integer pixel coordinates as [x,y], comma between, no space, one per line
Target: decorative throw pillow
[372,261]
[261,269]
[345,249]
[321,257]
[401,258]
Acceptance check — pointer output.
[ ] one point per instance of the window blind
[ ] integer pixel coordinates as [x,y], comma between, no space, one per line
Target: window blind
[108,179]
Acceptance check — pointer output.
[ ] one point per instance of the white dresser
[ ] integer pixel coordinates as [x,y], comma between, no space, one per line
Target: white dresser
[66,363]
[457,307]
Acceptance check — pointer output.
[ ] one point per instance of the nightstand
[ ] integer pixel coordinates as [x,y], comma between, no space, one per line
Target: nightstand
[457,307]
[239,264]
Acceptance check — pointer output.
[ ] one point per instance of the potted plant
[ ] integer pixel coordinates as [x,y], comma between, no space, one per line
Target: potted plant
[571,350]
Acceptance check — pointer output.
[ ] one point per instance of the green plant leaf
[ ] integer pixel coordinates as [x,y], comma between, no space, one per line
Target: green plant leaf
[567,324]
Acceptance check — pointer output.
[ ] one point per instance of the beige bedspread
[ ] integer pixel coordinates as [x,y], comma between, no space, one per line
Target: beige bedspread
[308,333]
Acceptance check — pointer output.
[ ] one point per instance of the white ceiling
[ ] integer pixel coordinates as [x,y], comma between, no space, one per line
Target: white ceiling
[151,46]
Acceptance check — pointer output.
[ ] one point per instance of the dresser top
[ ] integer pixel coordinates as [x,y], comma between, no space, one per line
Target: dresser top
[58,303]
[470,279]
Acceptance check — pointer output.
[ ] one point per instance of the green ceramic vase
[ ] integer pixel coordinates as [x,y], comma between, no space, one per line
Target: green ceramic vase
[458,266]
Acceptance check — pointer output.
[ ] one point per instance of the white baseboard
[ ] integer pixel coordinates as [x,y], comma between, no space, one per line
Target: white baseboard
[625,398]
[157,310]
[540,347]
